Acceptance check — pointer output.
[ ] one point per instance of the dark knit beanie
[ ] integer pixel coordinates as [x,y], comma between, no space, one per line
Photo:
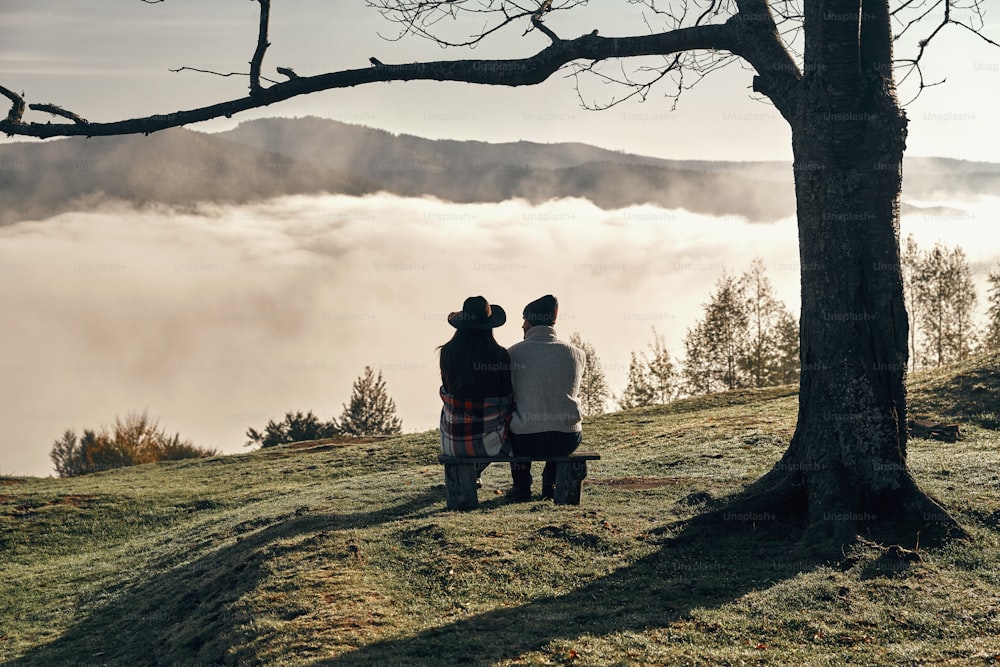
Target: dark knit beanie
[542,311]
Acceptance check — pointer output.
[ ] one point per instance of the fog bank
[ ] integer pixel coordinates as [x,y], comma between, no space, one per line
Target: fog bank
[219,319]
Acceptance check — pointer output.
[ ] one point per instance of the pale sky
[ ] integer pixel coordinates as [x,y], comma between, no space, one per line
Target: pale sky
[106,60]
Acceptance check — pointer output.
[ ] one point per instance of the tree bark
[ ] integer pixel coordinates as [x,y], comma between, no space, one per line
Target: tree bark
[844,473]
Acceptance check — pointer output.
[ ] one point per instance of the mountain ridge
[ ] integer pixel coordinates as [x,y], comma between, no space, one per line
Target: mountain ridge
[269,157]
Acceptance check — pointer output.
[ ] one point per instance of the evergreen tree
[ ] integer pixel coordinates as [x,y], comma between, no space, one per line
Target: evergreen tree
[370,410]
[746,338]
[594,390]
[786,368]
[717,345]
[295,427]
[945,298]
[639,391]
[991,340]
[697,368]
[764,313]
[662,373]
[909,264]
[964,336]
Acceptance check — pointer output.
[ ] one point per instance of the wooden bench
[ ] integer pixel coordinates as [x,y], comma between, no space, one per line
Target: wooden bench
[460,476]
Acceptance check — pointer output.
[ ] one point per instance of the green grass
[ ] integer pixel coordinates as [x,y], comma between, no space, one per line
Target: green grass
[346,555]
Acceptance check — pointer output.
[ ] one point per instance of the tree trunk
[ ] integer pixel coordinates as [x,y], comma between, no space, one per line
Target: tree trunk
[845,472]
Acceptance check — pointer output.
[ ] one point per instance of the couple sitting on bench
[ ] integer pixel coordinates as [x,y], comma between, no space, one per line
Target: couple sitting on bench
[516,402]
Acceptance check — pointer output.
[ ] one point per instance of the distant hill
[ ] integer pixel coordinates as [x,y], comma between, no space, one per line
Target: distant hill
[475,171]
[175,167]
[278,156]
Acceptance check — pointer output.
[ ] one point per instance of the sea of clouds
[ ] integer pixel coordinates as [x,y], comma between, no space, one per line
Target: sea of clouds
[219,318]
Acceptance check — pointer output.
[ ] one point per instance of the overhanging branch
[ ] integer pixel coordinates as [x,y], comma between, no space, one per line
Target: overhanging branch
[516,72]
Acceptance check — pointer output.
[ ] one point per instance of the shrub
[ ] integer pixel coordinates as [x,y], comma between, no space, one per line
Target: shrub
[294,428]
[135,439]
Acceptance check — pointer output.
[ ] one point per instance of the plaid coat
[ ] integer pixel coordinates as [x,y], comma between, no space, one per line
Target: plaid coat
[475,427]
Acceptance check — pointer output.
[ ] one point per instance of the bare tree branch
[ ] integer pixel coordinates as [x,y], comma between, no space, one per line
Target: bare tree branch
[58,111]
[517,72]
[748,30]
[536,22]
[951,13]
[977,32]
[262,44]
[427,18]
[222,74]
[16,107]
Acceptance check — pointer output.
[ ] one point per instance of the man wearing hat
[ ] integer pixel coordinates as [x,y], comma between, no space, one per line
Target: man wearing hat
[546,374]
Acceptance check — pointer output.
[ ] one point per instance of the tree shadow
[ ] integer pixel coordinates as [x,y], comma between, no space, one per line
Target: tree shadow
[180,613]
[702,567]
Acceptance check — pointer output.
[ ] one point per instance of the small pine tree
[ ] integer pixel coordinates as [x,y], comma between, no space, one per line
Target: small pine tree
[909,262]
[945,298]
[662,374]
[716,347]
[640,390]
[370,410]
[295,427]
[765,313]
[594,390]
[991,340]
[786,364]
[746,338]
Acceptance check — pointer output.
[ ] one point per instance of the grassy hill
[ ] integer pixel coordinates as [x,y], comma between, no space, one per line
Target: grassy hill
[343,554]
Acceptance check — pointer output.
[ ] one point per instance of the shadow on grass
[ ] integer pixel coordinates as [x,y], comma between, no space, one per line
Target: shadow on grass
[180,614]
[702,567]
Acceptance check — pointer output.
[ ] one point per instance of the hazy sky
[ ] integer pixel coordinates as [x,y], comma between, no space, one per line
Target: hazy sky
[107,59]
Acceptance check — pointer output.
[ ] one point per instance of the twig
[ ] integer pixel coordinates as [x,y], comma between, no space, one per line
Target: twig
[59,111]
[214,73]
[262,44]
[16,107]
[537,23]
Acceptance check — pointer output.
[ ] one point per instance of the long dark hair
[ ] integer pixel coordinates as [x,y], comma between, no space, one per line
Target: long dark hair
[474,365]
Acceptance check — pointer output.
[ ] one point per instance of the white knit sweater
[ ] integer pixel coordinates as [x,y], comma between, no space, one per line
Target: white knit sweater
[546,374]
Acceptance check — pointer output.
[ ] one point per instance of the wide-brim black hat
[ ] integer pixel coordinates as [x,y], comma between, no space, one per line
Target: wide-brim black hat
[477,313]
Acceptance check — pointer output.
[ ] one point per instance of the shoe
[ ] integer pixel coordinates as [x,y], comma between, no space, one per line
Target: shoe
[518,494]
[549,492]
[479,482]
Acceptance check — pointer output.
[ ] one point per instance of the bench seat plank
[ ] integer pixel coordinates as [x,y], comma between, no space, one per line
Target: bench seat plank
[577,456]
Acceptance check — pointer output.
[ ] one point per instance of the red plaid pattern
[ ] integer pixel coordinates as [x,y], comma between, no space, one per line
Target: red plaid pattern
[475,427]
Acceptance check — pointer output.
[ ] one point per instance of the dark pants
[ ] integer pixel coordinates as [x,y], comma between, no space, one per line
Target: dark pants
[547,443]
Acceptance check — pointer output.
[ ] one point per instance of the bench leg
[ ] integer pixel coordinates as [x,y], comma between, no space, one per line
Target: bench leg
[569,475]
[460,484]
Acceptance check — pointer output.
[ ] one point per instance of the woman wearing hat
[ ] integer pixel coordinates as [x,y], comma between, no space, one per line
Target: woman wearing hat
[476,390]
